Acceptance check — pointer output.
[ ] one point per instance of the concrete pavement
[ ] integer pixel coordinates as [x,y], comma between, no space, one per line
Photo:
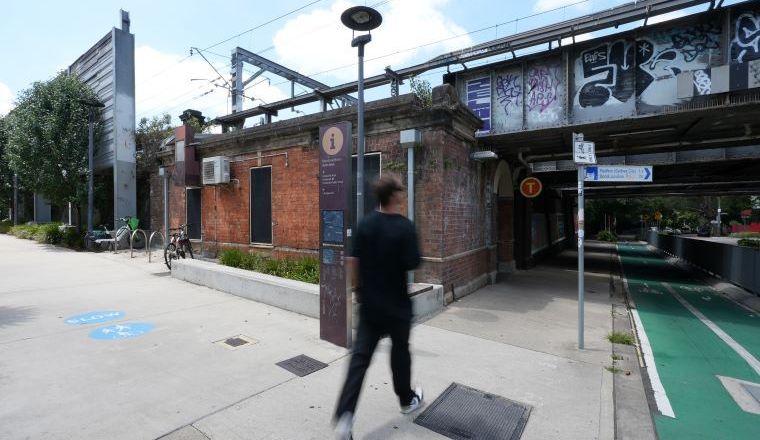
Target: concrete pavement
[515,339]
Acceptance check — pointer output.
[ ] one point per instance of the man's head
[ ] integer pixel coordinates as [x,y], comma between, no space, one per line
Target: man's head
[388,191]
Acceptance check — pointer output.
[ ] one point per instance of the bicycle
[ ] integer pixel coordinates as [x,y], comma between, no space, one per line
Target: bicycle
[178,246]
[124,233]
[98,240]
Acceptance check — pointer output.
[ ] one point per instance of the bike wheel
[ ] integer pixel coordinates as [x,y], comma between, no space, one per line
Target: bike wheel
[170,253]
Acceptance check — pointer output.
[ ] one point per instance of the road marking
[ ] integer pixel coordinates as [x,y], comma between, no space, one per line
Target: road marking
[741,351]
[660,396]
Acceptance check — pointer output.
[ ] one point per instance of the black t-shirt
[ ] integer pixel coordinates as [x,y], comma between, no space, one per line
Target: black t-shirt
[386,246]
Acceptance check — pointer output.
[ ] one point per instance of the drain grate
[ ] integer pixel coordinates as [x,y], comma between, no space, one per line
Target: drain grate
[235,342]
[464,413]
[301,365]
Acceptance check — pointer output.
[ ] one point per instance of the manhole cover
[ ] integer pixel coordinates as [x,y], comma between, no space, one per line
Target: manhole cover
[464,413]
[302,365]
[235,342]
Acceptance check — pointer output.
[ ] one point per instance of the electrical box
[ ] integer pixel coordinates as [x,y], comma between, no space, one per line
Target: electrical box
[216,170]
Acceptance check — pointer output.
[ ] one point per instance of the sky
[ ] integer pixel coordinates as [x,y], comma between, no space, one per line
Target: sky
[39,39]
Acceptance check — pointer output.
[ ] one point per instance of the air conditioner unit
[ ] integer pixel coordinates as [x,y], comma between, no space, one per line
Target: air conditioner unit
[216,170]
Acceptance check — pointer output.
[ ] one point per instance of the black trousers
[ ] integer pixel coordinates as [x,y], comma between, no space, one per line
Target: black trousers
[369,333]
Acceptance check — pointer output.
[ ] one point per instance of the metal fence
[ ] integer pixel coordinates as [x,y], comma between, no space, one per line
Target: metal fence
[737,264]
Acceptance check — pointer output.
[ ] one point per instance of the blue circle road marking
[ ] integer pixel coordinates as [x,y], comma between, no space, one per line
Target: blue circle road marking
[121,331]
[94,317]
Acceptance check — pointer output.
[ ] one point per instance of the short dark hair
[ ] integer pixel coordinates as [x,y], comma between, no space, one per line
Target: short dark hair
[385,186]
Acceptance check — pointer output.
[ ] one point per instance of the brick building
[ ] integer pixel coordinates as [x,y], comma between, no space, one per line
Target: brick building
[463,208]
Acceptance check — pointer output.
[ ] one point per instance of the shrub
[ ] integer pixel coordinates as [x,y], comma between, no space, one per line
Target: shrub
[49,233]
[231,257]
[302,269]
[606,236]
[745,235]
[26,231]
[71,238]
[5,226]
[748,242]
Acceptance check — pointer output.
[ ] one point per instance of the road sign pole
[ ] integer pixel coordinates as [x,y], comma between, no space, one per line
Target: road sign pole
[581,233]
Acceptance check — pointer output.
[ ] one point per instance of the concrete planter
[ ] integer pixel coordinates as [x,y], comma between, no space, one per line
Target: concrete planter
[295,296]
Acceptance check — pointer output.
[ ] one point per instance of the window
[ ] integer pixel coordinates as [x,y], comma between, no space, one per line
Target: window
[371,174]
[261,205]
[193,214]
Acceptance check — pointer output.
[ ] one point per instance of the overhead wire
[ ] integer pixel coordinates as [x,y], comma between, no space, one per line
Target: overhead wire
[379,4]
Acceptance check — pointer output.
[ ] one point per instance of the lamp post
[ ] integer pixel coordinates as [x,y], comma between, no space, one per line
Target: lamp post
[91,106]
[360,18]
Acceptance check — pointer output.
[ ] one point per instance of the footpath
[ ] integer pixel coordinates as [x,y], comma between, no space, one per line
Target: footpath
[157,368]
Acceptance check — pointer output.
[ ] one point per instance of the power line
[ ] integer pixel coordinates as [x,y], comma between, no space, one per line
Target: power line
[172,65]
[264,24]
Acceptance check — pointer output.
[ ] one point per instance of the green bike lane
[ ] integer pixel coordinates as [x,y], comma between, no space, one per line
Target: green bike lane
[688,354]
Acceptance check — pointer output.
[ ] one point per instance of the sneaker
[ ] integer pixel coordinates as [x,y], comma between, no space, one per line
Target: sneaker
[343,427]
[416,402]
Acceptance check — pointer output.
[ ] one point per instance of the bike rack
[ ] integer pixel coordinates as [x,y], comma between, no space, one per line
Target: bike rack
[132,241]
[150,241]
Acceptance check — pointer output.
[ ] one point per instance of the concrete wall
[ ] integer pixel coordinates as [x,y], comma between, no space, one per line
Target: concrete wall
[736,264]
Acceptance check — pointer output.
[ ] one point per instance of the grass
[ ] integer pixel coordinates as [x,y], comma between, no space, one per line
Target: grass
[607,236]
[617,357]
[624,338]
[613,369]
[300,269]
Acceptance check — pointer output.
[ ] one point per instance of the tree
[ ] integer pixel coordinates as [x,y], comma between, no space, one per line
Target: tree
[149,135]
[6,175]
[48,138]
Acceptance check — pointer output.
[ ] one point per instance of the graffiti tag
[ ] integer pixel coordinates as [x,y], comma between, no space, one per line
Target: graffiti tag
[543,85]
[702,82]
[615,64]
[508,91]
[746,42]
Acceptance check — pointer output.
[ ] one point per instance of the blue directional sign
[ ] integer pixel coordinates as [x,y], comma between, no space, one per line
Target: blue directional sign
[94,317]
[121,331]
[618,173]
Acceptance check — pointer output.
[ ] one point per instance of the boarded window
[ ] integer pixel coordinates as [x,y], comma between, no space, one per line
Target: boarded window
[194,213]
[261,205]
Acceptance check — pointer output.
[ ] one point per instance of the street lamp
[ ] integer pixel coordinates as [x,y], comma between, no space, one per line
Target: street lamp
[360,18]
[91,106]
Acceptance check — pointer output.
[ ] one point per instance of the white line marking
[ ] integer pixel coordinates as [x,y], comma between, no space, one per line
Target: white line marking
[741,351]
[660,396]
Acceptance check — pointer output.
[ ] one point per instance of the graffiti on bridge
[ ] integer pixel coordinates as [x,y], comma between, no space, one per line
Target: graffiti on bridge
[745,45]
[509,91]
[613,65]
[542,88]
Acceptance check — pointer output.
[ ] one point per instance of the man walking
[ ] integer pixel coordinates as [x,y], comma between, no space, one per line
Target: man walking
[385,248]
